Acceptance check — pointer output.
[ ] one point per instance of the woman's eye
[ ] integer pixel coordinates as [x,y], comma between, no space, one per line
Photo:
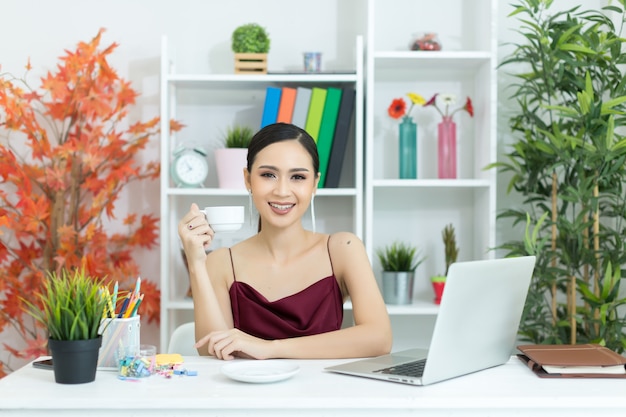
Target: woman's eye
[268,175]
[299,177]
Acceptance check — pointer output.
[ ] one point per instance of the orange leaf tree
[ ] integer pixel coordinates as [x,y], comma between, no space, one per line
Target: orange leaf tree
[66,154]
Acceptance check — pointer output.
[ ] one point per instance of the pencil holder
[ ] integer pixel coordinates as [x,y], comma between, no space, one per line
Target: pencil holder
[117,333]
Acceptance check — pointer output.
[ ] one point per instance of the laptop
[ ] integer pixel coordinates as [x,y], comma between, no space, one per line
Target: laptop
[476,327]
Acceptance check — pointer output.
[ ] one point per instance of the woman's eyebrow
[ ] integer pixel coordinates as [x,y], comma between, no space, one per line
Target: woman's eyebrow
[272,167]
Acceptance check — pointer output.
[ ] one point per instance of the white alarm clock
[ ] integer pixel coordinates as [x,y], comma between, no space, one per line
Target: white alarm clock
[190,166]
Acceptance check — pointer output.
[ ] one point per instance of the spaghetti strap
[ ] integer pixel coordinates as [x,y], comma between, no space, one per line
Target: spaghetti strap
[232,264]
[329,257]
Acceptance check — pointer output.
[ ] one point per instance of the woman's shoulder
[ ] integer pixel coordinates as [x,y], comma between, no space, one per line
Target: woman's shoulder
[218,258]
[341,240]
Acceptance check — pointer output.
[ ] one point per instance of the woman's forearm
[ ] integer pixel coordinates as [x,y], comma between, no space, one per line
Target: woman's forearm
[208,315]
[363,340]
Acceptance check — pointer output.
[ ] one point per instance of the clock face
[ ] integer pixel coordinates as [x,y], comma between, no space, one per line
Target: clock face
[190,169]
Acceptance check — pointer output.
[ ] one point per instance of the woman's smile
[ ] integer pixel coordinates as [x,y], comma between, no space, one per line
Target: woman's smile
[281,208]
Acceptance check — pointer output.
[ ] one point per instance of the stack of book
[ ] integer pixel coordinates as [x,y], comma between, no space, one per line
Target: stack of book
[325,113]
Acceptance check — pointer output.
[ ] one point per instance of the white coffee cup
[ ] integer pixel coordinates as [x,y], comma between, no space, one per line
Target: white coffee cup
[224,218]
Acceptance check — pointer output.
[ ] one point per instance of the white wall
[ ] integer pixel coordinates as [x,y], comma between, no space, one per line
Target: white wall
[200,30]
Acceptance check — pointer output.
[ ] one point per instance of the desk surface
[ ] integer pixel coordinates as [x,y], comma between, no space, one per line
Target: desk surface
[503,390]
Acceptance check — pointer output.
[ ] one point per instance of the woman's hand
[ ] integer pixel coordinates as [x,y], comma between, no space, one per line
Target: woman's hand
[195,234]
[233,343]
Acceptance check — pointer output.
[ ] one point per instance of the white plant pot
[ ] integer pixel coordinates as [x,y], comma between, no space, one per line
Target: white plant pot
[230,163]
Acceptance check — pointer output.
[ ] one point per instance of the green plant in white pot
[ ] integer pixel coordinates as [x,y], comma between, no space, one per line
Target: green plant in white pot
[399,262]
[231,160]
[71,308]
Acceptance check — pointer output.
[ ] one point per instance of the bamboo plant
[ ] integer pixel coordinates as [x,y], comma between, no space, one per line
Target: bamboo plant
[567,161]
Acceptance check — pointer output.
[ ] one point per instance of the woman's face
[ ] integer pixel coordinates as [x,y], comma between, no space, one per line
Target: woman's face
[282,181]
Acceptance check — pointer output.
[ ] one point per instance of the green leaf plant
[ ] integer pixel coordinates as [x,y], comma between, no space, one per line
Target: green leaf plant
[238,136]
[399,257]
[567,162]
[71,305]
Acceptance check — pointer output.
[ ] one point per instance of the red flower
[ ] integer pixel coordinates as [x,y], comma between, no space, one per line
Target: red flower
[469,107]
[397,108]
[432,100]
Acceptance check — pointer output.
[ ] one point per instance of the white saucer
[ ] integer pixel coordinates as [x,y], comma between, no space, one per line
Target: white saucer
[260,371]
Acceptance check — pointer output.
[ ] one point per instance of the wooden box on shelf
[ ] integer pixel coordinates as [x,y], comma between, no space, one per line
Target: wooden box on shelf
[250,63]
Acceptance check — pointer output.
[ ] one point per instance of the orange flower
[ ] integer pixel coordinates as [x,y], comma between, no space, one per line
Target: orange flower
[397,108]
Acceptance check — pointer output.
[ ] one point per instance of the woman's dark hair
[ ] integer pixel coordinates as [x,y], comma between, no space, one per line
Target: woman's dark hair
[279,132]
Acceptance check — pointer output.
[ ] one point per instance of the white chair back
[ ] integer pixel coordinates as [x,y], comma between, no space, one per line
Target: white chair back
[182,340]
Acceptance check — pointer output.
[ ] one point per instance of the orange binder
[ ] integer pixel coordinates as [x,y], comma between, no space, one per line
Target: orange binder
[287,101]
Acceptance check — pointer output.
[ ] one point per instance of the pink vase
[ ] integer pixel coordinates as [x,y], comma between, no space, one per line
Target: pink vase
[446,145]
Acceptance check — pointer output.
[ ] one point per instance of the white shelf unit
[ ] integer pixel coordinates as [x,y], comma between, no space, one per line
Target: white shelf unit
[416,211]
[207,104]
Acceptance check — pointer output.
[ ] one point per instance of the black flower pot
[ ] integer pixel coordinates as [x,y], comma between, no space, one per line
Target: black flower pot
[75,361]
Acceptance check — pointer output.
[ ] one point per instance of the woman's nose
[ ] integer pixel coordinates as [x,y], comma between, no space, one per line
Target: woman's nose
[282,186]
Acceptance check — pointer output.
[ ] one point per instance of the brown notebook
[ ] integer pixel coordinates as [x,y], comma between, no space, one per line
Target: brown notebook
[573,361]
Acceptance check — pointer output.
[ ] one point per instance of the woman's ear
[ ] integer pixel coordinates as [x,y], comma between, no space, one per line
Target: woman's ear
[246,178]
[317,179]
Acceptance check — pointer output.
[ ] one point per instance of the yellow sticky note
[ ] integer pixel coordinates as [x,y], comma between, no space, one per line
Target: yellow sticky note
[167,358]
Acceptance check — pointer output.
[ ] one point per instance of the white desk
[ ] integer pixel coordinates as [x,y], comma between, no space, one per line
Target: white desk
[510,389]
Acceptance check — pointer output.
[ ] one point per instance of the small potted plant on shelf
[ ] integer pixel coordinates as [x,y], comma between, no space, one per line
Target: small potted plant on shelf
[71,307]
[451,252]
[250,43]
[231,160]
[399,262]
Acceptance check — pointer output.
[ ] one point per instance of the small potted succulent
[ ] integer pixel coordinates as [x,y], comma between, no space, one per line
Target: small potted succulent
[71,307]
[451,252]
[399,262]
[250,43]
[231,160]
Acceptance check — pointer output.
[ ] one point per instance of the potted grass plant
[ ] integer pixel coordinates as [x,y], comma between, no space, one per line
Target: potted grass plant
[70,308]
[250,43]
[399,262]
[451,253]
[232,158]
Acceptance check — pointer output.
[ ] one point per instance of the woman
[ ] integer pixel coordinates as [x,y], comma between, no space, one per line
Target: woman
[280,293]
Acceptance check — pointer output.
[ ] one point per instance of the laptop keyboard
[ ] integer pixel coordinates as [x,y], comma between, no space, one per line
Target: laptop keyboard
[414,369]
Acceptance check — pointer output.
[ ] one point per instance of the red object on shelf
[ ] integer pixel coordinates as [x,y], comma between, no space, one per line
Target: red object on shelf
[438,288]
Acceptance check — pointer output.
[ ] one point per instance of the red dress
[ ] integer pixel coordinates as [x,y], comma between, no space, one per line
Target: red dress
[316,309]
